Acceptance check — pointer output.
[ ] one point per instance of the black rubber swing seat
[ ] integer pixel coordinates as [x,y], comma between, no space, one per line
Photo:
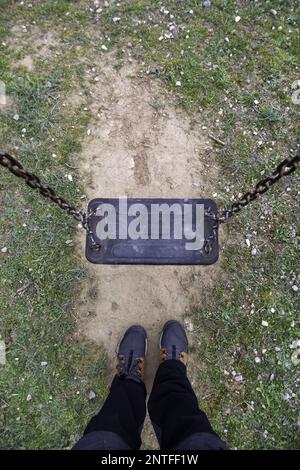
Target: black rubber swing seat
[152,231]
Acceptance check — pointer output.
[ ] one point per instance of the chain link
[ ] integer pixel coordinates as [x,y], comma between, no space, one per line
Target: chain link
[285,168]
[15,167]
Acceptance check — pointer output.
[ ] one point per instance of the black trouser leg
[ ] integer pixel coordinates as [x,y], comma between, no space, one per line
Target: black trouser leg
[122,414]
[174,411]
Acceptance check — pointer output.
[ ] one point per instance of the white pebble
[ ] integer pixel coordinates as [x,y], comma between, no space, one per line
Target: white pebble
[92,395]
[178,83]
[4,249]
[295,288]
[103,47]
[265,323]
[44,363]
[238,378]
[237,19]
[257,360]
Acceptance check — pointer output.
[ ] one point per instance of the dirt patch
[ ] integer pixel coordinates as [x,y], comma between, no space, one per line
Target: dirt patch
[41,45]
[139,145]
[26,62]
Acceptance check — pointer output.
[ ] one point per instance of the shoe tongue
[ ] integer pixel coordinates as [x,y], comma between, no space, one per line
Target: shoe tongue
[129,360]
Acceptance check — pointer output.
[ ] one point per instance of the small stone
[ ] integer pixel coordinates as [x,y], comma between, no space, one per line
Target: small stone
[265,323]
[116,19]
[70,177]
[29,397]
[295,344]
[238,378]
[103,47]
[257,360]
[4,249]
[207,3]
[273,12]
[178,83]
[295,288]
[92,395]
[44,363]
[296,357]
[237,19]
[248,242]
[88,132]
[254,252]
[189,325]
[16,117]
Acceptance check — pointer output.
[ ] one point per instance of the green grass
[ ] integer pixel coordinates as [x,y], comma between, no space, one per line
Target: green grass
[42,406]
[239,73]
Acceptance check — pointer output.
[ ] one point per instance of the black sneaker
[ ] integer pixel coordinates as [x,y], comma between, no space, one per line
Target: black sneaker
[173,342]
[131,354]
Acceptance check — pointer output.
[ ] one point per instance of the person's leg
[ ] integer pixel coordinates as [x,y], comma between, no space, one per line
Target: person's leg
[173,406]
[119,422]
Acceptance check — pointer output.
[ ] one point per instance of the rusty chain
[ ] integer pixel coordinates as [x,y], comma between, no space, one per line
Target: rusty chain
[15,167]
[286,167]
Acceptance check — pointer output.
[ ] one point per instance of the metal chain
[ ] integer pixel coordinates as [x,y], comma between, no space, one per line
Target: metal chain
[285,168]
[15,167]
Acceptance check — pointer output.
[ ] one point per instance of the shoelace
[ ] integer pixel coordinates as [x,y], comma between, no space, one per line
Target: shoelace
[165,355]
[135,368]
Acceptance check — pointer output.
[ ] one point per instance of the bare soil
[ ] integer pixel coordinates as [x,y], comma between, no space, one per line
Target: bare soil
[140,145]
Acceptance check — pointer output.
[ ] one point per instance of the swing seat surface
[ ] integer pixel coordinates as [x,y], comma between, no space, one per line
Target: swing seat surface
[166,249]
